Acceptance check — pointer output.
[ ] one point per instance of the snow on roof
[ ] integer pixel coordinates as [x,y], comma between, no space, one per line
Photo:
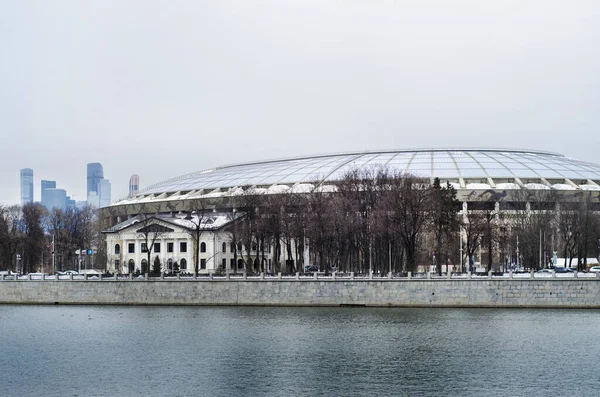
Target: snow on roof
[536,186]
[562,186]
[507,186]
[453,184]
[303,188]
[278,189]
[207,221]
[478,186]
[327,189]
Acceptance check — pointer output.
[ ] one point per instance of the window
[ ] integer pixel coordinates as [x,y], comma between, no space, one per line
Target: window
[224,247]
[131,266]
[170,263]
[182,247]
[117,249]
[224,263]
[202,247]
[232,247]
[131,248]
[169,247]
[183,264]
[117,264]
[202,263]
[232,263]
[253,247]
[156,247]
[144,247]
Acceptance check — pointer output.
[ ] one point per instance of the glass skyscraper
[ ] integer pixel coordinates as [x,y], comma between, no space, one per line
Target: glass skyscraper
[26,186]
[46,187]
[95,174]
[134,185]
[98,188]
[55,198]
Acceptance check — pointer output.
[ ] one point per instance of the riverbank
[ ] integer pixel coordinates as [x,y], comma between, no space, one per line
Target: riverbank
[547,292]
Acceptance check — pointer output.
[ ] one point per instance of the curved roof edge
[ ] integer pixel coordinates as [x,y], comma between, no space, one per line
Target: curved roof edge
[353,153]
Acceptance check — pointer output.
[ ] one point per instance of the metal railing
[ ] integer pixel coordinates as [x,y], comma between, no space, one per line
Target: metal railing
[336,276]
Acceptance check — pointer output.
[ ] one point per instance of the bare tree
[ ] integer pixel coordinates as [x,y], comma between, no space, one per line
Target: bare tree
[234,232]
[149,232]
[11,238]
[408,200]
[532,220]
[197,216]
[473,228]
[34,236]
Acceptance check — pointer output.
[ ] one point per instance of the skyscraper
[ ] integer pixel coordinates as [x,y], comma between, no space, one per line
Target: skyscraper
[134,185]
[26,186]
[104,193]
[94,174]
[46,186]
[55,198]
[93,200]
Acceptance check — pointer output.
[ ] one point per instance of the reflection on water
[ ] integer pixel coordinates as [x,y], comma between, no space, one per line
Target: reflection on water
[191,351]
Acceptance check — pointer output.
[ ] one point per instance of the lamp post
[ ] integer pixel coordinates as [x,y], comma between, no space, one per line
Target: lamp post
[460,249]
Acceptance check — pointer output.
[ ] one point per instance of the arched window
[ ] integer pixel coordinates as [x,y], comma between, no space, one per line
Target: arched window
[117,249]
[183,264]
[224,247]
[202,247]
[239,247]
[144,266]
[131,266]
[170,264]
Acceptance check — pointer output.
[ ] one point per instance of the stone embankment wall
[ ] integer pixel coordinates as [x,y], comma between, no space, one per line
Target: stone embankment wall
[559,293]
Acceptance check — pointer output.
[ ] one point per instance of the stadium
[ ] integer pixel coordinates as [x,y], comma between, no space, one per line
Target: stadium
[470,171]
[485,179]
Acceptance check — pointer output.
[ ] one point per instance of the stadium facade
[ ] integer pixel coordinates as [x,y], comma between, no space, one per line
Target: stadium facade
[489,176]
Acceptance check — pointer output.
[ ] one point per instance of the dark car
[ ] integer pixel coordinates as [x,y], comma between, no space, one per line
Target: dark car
[564,270]
[311,269]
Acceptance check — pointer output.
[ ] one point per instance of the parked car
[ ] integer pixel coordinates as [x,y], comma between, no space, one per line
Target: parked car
[67,272]
[594,269]
[544,271]
[564,270]
[311,269]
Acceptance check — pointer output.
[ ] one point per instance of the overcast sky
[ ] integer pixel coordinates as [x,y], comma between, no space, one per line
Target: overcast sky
[164,88]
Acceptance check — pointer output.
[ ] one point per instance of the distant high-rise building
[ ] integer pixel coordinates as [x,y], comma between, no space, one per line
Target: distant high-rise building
[134,185]
[26,186]
[93,200]
[94,174]
[104,193]
[70,203]
[46,186]
[55,198]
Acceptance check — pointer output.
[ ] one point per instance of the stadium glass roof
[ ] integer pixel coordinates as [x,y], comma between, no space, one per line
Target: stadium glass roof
[450,164]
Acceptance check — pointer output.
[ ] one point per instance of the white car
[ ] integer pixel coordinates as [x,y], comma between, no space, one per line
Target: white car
[594,269]
[67,272]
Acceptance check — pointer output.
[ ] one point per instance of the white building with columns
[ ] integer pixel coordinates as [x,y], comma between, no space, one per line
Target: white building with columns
[173,239]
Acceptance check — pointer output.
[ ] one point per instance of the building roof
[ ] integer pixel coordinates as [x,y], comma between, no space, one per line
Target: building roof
[208,221]
[455,165]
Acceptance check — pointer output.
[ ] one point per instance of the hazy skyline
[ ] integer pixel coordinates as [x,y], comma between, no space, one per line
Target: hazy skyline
[161,89]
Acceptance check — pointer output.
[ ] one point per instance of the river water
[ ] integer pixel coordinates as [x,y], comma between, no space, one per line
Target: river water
[232,351]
